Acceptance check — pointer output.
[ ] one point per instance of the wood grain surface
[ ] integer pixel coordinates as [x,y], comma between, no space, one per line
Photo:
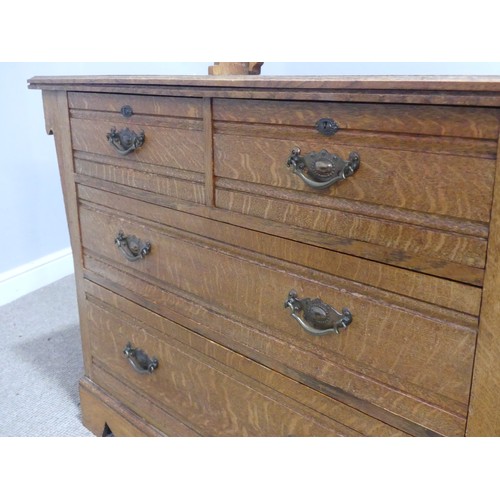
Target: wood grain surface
[481,123]
[470,83]
[390,240]
[445,293]
[415,181]
[141,105]
[161,327]
[484,415]
[171,147]
[100,412]
[407,244]
[412,414]
[166,181]
[214,398]
[438,90]
[208,274]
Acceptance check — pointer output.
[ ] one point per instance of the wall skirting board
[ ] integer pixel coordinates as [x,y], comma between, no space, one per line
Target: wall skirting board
[36,274]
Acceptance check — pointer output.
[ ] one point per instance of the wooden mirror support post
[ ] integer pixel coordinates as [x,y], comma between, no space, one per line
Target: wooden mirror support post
[235,68]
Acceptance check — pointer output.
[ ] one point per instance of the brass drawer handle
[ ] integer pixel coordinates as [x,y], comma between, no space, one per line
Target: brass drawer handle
[125,141]
[139,360]
[318,318]
[323,169]
[132,247]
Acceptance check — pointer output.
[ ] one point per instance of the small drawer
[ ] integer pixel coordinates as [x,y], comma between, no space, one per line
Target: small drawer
[404,355]
[174,147]
[146,142]
[210,397]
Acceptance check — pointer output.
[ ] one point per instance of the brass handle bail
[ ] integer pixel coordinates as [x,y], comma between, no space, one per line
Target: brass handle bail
[132,247]
[139,360]
[125,141]
[322,170]
[318,318]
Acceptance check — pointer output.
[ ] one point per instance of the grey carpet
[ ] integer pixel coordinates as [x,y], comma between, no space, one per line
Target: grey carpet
[41,364]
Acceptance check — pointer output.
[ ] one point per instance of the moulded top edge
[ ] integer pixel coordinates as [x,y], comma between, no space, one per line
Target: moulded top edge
[408,83]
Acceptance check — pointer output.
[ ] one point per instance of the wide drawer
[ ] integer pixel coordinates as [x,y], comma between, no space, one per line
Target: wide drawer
[404,355]
[180,373]
[400,206]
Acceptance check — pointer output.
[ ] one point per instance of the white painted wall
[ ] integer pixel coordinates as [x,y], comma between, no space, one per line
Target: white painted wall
[34,248]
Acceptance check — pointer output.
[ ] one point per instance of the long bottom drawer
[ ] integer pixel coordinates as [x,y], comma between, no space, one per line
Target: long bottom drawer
[207,396]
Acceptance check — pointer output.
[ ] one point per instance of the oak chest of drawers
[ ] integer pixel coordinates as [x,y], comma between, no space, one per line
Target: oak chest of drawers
[283,256]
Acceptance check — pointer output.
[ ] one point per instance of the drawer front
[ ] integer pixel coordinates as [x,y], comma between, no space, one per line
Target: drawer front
[165,146]
[409,357]
[209,397]
[400,206]
[421,181]
[170,159]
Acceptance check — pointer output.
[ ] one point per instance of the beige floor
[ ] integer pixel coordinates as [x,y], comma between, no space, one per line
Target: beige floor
[41,364]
